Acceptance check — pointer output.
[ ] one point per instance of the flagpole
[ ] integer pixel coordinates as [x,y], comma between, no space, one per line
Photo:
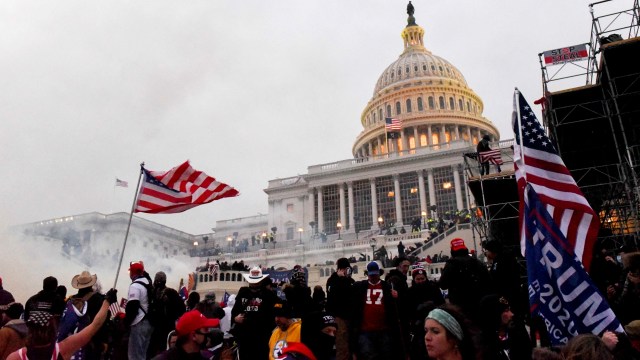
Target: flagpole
[126,235]
[516,105]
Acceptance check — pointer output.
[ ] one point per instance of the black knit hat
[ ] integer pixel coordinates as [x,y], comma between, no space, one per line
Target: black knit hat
[343,263]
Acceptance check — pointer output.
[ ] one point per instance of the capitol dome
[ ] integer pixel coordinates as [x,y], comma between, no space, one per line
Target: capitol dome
[428,96]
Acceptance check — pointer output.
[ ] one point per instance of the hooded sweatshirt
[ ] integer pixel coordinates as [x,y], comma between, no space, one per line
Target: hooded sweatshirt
[225,322]
[13,336]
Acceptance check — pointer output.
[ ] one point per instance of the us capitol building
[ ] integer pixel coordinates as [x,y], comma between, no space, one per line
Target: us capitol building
[341,208]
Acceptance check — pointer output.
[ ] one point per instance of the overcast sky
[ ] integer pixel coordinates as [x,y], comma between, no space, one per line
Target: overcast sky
[247,90]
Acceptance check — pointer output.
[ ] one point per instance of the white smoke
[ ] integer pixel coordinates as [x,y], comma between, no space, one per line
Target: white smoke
[27,260]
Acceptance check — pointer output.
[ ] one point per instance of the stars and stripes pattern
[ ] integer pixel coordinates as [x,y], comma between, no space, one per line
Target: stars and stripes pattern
[491,156]
[392,124]
[537,162]
[122,183]
[179,189]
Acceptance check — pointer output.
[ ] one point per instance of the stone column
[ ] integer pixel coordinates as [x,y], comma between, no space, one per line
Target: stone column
[429,136]
[311,206]
[320,210]
[422,191]
[456,184]
[374,204]
[457,129]
[352,212]
[398,199]
[469,134]
[432,189]
[416,137]
[443,135]
[368,149]
[405,142]
[479,135]
[343,210]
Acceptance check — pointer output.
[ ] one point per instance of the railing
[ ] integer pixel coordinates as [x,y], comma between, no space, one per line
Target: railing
[439,238]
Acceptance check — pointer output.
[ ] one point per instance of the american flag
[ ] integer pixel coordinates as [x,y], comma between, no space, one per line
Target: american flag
[392,124]
[122,183]
[179,189]
[536,162]
[491,156]
[214,268]
[116,308]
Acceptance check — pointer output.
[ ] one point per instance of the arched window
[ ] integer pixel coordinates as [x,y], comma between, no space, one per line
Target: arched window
[388,110]
[374,117]
[408,105]
[468,107]
[441,102]
[398,108]
[420,107]
[321,272]
[452,104]
[406,70]
[227,277]
[239,278]
[424,67]
[200,277]
[432,105]
[233,277]
[380,114]
[460,105]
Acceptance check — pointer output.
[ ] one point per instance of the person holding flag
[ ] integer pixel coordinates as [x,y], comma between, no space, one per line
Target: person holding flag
[557,232]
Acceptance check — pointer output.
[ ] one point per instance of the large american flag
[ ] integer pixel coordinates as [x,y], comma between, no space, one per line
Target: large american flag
[491,156]
[536,162]
[392,124]
[179,189]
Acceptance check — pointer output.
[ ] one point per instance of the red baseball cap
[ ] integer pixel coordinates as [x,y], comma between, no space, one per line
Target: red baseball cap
[194,320]
[296,350]
[457,244]
[136,267]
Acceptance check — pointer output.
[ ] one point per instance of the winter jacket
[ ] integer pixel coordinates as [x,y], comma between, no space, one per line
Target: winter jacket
[13,336]
[338,296]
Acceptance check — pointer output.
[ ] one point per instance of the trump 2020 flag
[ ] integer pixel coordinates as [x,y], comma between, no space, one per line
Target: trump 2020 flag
[179,189]
[560,291]
[538,164]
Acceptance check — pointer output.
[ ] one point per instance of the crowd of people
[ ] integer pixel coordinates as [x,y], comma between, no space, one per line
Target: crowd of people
[476,310]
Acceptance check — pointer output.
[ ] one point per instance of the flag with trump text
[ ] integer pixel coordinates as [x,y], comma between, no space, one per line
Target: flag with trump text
[560,290]
[179,189]
[538,164]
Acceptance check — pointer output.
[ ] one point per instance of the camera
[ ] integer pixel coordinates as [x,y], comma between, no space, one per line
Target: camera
[348,271]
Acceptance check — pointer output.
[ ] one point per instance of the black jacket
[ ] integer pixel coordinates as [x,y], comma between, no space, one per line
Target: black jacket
[338,296]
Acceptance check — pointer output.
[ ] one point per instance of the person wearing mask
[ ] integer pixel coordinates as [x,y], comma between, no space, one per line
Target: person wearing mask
[287,329]
[252,319]
[192,330]
[338,305]
[375,331]
[136,311]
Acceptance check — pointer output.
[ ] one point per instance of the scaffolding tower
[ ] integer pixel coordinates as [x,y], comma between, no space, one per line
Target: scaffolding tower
[596,127]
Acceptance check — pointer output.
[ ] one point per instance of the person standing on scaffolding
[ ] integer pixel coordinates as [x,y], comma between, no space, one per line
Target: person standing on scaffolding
[483,146]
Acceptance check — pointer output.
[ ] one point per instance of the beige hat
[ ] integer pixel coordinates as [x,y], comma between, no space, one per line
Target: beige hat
[633,329]
[84,280]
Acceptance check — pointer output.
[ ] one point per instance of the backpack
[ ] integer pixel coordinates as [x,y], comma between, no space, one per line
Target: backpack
[75,317]
[154,312]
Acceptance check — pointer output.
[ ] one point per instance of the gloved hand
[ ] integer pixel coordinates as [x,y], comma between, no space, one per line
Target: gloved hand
[112,296]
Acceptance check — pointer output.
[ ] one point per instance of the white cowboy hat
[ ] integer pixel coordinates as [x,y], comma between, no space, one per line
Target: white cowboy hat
[254,276]
[84,280]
